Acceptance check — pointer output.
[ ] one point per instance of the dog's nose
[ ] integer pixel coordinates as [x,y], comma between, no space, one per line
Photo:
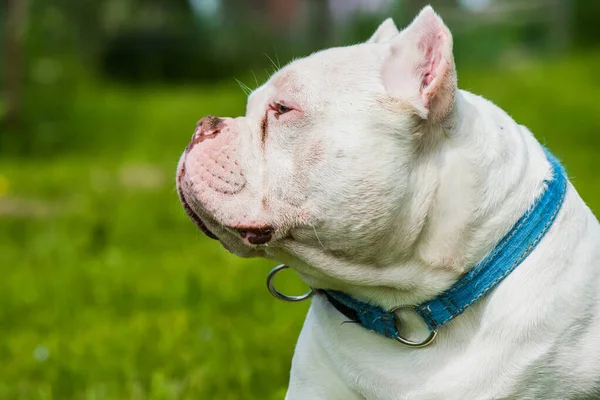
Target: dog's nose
[208,127]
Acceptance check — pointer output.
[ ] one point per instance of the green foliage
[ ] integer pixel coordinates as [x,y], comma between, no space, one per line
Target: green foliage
[585,23]
[109,292]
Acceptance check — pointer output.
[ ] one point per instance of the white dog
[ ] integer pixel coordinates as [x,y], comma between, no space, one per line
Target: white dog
[398,197]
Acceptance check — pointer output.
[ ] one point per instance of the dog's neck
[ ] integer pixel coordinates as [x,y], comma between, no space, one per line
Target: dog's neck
[471,189]
[467,193]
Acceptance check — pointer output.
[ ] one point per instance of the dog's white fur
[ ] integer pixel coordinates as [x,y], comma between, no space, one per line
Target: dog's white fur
[389,183]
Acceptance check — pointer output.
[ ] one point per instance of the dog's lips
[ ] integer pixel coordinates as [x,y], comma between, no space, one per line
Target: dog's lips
[256,235]
[205,230]
[195,218]
[259,235]
[250,235]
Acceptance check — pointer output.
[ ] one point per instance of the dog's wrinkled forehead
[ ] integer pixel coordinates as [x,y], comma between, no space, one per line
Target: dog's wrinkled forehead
[284,82]
[326,74]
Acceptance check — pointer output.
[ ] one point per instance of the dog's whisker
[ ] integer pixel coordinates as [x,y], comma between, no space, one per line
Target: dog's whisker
[245,88]
[275,66]
[277,58]
[317,235]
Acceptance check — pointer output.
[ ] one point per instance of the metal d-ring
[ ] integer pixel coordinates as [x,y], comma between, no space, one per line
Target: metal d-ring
[277,294]
[411,343]
[424,343]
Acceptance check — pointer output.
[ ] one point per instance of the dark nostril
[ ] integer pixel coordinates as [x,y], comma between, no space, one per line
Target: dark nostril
[256,235]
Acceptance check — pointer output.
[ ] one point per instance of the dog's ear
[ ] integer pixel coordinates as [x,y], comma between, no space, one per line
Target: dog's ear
[386,31]
[420,67]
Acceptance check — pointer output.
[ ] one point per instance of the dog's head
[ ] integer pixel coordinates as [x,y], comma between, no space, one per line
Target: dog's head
[325,156]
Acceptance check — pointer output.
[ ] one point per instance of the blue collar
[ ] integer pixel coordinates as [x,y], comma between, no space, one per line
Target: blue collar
[518,243]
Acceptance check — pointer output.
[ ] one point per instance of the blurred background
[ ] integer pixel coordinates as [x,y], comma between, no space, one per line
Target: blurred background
[107,291]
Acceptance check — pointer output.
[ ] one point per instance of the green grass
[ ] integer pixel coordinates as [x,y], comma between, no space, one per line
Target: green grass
[109,292]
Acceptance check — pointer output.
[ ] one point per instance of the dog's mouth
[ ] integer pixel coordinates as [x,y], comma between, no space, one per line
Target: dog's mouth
[256,235]
[251,235]
[194,217]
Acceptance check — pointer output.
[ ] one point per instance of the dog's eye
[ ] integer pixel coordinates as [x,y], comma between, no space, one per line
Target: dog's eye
[280,108]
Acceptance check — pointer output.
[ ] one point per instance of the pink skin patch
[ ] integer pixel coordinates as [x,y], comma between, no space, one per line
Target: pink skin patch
[214,162]
[210,181]
[287,90]
[432,47]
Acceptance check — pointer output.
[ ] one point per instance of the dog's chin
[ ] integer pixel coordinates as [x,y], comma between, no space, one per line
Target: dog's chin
[195,217]
[202,226]
[231,241]
[237,248]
